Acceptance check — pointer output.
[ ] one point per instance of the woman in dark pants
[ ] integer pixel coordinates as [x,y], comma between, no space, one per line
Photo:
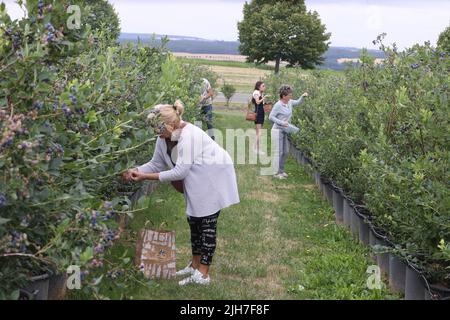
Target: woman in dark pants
[258,100]
[208,179]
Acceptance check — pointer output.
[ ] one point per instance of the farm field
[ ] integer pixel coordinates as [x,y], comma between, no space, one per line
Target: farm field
[243,79]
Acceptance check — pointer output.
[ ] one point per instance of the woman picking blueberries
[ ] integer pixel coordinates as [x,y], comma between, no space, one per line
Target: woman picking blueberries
[186,153]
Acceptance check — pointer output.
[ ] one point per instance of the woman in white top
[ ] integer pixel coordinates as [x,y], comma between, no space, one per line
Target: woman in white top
[258,100]
[186,153]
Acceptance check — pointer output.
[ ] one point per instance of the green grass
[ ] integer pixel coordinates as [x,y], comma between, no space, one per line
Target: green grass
[280,242]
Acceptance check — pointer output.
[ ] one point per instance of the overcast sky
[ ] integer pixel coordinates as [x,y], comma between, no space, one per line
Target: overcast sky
[352,22]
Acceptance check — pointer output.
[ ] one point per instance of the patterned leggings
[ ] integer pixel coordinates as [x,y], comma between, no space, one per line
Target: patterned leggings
[203,237]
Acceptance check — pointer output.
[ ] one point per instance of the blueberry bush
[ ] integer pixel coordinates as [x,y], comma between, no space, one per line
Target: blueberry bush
[381,133]
[72,118]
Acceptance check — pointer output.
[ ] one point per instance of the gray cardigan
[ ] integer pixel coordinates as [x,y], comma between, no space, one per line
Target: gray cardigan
[206,169]
[283,112]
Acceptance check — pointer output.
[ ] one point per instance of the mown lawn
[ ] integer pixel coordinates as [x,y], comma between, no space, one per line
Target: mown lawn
[280,242]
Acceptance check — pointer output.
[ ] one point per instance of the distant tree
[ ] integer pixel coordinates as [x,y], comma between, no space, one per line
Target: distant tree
[282,31]
[444,40]
[102,18]
[228,91]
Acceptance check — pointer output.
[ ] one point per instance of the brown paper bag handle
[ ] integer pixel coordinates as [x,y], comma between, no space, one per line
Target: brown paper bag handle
[153,225]
[147,222]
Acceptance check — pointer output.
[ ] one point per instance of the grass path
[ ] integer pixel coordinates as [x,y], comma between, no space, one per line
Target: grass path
[280,242]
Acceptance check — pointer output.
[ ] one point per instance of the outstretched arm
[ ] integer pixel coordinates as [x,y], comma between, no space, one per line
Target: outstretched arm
[300,100]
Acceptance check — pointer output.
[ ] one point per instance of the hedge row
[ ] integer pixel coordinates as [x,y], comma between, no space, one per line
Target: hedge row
[382,134]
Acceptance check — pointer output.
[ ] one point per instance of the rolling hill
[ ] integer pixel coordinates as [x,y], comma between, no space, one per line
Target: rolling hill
[203,46]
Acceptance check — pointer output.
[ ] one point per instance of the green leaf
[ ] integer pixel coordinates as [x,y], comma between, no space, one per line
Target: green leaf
[15,295]
[98,280]
[87,255]
[4,221]
[141,201]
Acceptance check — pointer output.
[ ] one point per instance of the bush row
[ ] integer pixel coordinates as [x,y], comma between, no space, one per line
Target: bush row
[72,118]
[381,133]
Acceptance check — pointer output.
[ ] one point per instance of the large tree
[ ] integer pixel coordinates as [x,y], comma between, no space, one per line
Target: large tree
[444,40]
[282,31]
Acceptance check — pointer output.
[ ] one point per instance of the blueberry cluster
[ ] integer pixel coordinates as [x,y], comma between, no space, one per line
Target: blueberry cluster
[50,27]
[41,9]
[16,41]
[50,32]
[7,143]
[18,241]
[98,249]
[84,274]
[94,217]
[66,110]
[415,66]
[56,149]
[109,235]
[25,145]
[73,99]
[96,263]
[3,200]
[80,111]
[115,274]
[38,105]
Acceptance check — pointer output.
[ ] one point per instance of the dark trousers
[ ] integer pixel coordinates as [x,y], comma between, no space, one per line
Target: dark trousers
[203,237]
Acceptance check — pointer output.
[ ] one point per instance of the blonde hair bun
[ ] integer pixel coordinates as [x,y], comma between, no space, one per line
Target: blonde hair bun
[179,108]
[167,113]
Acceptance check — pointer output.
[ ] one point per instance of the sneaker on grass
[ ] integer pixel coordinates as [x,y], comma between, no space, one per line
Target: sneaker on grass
[196,278]
[186,271]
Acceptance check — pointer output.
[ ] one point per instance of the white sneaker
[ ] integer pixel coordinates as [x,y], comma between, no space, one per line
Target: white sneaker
[197,278]
[186,271]
[279,176]
[284,174]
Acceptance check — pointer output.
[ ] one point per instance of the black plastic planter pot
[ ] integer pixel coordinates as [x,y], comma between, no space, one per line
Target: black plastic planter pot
[316,177]
[363,231]
[383,260]
[329,193]
[354,222]
[322,187]
[37,289]
[397,274]
[296,155]
[301,158]
[373,240]
[338,207]
[438,292]
[347,212]
[57,287]
[414,285]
